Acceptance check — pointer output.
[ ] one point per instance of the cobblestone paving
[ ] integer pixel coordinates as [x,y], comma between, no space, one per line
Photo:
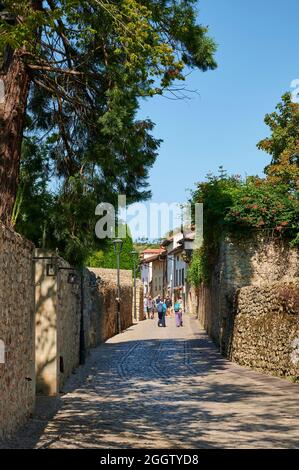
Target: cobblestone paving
[168,387]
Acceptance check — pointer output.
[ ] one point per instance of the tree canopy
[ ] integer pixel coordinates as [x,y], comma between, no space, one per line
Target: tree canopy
[283,143]
[241,208]
[89,63]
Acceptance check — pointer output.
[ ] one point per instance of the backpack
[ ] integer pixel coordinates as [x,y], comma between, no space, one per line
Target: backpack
[160,307]
[164,308]
[177,307]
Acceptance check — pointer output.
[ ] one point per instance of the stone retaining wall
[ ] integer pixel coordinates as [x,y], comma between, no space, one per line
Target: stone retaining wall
[57,324]
[241,262]
[17,377]
[42,313]
[140,300]
[107,301]
[266,328]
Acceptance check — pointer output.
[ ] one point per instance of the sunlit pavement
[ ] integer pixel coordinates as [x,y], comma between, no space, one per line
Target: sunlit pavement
[153,387]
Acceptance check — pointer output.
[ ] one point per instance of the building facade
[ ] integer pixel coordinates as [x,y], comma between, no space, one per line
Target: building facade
[164,270]
[153,270]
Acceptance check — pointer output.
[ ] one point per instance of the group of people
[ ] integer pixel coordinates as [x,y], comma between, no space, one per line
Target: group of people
[163,307]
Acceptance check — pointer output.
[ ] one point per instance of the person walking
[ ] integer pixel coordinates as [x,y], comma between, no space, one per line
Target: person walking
[178,310]
[168,305]
[158,300]
[161,309]
[150,308]
[145,307]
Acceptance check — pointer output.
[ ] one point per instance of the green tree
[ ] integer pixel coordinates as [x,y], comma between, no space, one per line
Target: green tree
[106,258]
[34,202]
[241,208]
[283,144]
[79,68]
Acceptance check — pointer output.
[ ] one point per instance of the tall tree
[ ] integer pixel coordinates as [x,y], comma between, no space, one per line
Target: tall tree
[83,64]
[34,203]
[283,144]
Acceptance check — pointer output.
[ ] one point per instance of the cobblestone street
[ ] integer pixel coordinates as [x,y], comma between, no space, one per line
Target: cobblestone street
[168,387]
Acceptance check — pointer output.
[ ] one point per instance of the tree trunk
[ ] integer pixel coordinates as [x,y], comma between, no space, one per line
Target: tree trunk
[14,88]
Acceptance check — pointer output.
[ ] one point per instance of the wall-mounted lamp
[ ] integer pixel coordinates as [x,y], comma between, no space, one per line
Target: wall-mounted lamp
[51,266]
[51,269]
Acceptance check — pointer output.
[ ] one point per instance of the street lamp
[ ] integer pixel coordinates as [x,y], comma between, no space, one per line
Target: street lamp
[118,243]
[134,257]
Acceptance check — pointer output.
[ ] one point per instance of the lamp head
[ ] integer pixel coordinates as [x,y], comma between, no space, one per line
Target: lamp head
[51,269]
[118,244]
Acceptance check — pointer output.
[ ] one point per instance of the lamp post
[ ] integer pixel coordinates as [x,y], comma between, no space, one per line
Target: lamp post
[118,243]
[134,257]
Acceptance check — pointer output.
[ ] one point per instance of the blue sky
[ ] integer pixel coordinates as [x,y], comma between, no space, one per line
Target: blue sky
[257,60]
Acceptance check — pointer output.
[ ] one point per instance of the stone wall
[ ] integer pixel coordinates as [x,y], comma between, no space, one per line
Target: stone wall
[241,263]
[17,377]
[57,323]
[266,328]
[68,323]
[46,364]
[93,310]
[107,301]
[41,321]
[58,317]
[140,300]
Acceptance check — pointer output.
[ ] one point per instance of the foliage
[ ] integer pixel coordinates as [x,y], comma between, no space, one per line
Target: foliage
[106,258]
[262,204]
[89,64]
[90,61]
[283,144]
[34,202]
[241,207]
[217,195]
[195,273]
[61,222]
